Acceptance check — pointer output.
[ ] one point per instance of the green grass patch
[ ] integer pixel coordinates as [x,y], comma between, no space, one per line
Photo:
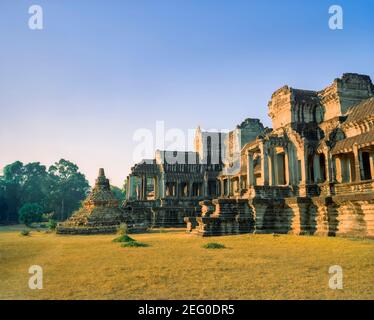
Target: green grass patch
[134,244]
[213,245]
[25,232]
[124,238]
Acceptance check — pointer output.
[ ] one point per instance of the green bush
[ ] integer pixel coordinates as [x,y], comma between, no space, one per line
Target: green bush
[213,245]
[124,238]
[29,213]
[52,224]
[25,232]
[134,244]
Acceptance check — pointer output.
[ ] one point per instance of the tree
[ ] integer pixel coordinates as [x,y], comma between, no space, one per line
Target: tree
[11,182]
[118,193]
[60,189]
[68,188]
[36,185]
[30,212]
[3,203]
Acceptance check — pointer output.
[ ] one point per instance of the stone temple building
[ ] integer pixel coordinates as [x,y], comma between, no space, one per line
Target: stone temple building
[311,173]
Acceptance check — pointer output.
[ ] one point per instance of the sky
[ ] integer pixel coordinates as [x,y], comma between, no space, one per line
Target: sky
[99,70]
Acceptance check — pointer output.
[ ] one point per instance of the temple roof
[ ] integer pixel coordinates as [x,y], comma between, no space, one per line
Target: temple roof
[346,145]
[361,111]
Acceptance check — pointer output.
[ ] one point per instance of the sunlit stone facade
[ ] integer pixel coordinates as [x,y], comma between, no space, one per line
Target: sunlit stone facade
[312,173]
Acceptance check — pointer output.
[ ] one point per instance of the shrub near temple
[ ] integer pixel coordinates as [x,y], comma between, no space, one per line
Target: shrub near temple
[213,245]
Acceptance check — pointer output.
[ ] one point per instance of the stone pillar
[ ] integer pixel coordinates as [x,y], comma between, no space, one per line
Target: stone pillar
[264,165]
[361,162]
[131,187]
[316,169]
[155,187]
[140,193]
[329,167]
[339,169]
[288,167]
[250,170]
[304,167]
[371,160]
[162,183]
[222,184]
[240,184]
[271,169]
[206,191]
[141,187]
[190,189]
[228,186]
[144,197]
[356,163]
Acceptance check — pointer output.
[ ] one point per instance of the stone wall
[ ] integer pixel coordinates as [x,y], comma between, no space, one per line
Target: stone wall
[347,215]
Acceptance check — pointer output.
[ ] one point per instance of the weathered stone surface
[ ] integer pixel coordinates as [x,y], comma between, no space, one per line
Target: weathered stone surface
[100,212]
[306,175]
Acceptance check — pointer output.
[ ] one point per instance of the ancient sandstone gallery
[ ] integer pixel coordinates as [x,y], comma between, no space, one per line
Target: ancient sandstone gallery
[312,173]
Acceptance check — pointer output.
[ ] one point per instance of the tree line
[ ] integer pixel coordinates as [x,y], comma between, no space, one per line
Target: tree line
[57,190]
[33,189]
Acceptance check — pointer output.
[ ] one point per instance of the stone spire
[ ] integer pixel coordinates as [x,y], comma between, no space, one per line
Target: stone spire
[100,212]
[102,183]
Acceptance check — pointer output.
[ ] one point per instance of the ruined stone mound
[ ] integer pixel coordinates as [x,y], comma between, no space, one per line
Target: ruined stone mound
[100,212]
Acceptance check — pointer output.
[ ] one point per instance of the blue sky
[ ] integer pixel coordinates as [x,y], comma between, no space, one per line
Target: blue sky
[99,70]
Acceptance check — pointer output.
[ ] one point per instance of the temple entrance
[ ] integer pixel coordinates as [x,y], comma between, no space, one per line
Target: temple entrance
[212,188]
[366,166]
[322,167]
[281,166]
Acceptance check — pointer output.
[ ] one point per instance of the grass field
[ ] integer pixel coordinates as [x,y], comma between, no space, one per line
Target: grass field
[176,266]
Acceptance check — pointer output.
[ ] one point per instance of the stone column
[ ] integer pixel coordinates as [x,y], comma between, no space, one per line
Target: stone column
[140,193]
[316,169]
[271,169]
[264,165]
[361,161]
[339,169]
[222,185]
[356,163]
[287,166]
[329,168]
[131,187]
[162,184]
[206,191]
[240,184]
[371,160]
[155,187]
[228,187]
[141,187]
[304,171]
[144,187]
[250,170]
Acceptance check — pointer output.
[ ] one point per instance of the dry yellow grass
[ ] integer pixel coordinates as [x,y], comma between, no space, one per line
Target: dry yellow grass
[175,266]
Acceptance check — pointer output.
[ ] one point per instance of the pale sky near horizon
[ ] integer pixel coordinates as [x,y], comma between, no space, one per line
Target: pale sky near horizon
[100,70]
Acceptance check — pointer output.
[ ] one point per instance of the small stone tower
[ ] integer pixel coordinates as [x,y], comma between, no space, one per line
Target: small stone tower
[100,212]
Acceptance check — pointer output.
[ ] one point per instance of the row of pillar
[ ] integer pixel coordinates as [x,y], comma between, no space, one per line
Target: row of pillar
[137,187]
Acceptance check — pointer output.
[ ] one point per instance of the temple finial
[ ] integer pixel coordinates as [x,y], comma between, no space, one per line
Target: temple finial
[101,172]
